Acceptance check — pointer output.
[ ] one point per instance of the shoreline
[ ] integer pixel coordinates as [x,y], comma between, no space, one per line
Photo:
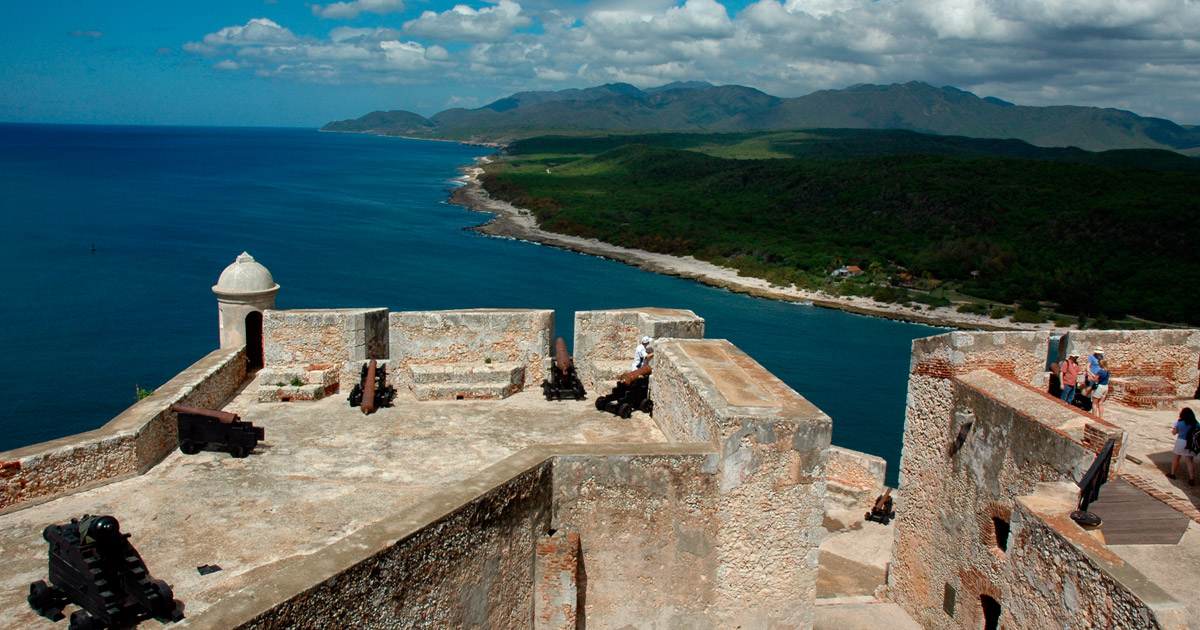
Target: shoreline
[509,221]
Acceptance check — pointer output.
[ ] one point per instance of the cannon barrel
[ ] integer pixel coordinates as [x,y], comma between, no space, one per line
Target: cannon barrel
[223,416]
[629,377]
[368,399]
[562,360]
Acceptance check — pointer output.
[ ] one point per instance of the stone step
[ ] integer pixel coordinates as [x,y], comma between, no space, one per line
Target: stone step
[289,393]
[467,373]
[464,391]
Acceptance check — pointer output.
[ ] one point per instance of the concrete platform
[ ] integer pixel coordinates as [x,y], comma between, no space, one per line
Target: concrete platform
[324,471]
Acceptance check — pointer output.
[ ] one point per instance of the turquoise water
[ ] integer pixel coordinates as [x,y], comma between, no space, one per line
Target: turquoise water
[114,237]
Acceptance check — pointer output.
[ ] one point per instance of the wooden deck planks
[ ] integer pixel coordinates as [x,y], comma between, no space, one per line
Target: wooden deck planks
[1132,517]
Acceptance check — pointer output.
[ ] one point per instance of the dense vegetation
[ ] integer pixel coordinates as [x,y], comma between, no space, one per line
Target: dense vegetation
[1088,232]
[700,107]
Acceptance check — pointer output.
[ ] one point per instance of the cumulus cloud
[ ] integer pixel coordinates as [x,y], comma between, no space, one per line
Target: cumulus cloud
[464,24]
[1142,55]
[350,10]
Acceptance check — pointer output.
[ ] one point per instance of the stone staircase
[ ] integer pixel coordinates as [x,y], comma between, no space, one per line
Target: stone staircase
[1143,392]
[463,381]
[296,383]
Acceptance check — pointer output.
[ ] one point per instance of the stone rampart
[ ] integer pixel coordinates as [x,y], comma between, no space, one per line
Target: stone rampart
[466,557]
[1170,355]
[473,337]
[774,449]
[977,435]
[1060,576]
[130,444]
[605,340]
[855,478]
[320,339]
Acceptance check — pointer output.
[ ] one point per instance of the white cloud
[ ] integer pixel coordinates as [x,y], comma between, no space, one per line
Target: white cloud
[92,34]
[464,24]
[1142,55]
[350,10]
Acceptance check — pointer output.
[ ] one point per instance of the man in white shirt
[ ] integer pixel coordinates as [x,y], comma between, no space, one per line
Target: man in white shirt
[642,354]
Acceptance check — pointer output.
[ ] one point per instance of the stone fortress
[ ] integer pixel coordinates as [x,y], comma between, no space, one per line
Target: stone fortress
[475,503]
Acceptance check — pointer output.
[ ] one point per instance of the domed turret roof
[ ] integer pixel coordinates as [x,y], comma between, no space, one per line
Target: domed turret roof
[245,276]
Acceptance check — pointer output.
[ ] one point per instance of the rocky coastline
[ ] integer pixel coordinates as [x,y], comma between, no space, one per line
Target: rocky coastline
[511,222]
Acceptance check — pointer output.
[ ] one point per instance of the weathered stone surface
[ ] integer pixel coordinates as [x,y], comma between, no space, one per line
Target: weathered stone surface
[472,337]
[301,339]
[605,340]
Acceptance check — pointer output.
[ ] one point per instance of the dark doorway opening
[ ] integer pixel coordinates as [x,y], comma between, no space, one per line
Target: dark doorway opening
[1002,528]
[991,613]
[254,340]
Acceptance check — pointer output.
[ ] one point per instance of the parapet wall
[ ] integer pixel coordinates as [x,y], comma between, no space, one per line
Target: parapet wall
[1171,355]
[1059,576]
[771,475]
[521,336]
[605,340]
[130,444]
[317,339]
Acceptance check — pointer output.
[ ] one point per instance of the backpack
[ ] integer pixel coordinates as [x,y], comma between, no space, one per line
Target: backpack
[1192,441]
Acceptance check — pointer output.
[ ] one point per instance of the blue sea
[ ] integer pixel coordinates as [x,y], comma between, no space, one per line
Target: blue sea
[114,235]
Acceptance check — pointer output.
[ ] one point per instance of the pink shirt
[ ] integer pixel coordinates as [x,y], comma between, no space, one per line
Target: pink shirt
[1070,373]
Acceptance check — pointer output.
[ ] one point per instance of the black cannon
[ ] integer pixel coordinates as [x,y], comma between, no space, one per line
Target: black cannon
[563,382]
[632,393]
[372,390]
[93,566]
[882,511]
[208,429]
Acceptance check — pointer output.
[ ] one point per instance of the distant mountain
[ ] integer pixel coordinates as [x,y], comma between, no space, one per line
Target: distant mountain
[699,106]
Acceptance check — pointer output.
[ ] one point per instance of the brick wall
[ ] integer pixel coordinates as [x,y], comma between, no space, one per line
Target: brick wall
[1171,355]
[555,582]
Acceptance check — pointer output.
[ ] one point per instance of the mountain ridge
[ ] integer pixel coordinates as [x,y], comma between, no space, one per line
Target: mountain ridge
[700,106]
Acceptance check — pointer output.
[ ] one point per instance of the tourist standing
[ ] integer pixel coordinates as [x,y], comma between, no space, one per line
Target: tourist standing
[1183,426]
[1070,377]
[1100,388]
[642,354]
[1093,366]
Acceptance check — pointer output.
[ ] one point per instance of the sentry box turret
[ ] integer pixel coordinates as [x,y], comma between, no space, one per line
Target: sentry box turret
[93,566]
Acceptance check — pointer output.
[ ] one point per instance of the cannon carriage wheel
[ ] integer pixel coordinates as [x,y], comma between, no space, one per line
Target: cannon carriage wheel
[188,447]
[80,620]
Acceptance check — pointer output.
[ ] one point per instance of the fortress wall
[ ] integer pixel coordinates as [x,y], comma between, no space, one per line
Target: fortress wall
[854,478]
[522,336]
[649,527]
[951,490]
[771,475]
[462,559]
[321,338]
[605,340]
[1169,354]
[1059,576]
[130,444]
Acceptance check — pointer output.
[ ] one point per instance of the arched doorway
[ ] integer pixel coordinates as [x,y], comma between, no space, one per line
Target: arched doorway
[254,340]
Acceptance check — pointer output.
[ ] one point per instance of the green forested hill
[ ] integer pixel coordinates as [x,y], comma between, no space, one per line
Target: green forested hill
[1099,234]
[700,107]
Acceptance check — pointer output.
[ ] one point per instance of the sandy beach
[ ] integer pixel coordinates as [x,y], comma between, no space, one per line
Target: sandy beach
[512,222]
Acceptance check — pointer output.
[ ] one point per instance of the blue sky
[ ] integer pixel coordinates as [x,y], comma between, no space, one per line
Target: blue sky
[286,63]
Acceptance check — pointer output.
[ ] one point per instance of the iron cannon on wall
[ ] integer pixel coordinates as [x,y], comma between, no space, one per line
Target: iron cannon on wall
[93,566]
[632,393]
[208,429]
[372,390]
[563,382]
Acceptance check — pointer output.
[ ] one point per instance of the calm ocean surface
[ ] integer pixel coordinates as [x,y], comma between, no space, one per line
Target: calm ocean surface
[341,221]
